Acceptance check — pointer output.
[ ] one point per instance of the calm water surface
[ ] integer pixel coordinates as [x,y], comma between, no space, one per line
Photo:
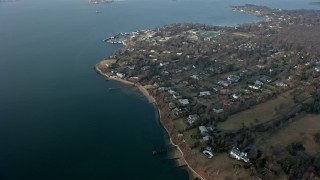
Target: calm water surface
[57,118]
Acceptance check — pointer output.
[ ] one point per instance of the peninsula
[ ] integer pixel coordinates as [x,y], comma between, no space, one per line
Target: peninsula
[239,102]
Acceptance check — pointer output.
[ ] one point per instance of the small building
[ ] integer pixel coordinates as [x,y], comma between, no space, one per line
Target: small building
[203,130]
[184,102]
[204,93]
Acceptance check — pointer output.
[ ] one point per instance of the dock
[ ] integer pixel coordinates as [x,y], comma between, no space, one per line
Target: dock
[182,166]
[163,150]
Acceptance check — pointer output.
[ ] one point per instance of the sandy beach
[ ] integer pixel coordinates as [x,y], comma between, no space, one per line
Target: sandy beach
[179,153]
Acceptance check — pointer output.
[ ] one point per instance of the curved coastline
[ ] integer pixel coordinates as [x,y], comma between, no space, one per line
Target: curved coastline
[173,135]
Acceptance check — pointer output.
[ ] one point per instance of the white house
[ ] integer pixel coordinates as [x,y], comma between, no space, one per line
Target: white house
[204,93]
[120,75]
[164,63]
[184,102]
[192,118]
[203,130]
[236,96]
[196,77]
[237,154]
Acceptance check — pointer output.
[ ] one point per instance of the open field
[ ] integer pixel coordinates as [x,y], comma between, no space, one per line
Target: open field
[187,136]
[179,124]
[260,113]
[243,34]
[301,130]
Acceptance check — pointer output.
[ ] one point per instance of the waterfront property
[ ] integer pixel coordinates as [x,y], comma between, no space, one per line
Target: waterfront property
[237,154]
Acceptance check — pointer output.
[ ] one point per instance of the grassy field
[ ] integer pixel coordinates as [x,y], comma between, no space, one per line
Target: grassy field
[187,136]
[179,124]
[301,130]
[260,113]
[243,34]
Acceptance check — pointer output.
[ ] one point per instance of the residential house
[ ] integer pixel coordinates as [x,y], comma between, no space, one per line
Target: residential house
[144,68]
[120,75]
[192,119]
[206,138]
[257,85]
[237,154]
[172,92]
[265,79]
[164,64]
[205,93]
[203,130]
[196,77]
[233,78]
[176,111]
[218,110]
[224,83]
[184,102]
[172,105]
[236,95]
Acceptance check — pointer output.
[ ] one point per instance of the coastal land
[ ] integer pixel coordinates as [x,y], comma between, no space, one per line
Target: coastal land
[233,92]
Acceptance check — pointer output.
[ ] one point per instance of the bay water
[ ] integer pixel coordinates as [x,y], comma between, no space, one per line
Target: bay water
[57,118]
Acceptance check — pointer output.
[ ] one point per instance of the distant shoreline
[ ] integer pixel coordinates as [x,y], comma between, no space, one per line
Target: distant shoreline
[153,101]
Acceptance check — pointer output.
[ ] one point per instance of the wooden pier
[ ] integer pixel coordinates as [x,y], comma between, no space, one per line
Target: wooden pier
[162,150]
[182,166]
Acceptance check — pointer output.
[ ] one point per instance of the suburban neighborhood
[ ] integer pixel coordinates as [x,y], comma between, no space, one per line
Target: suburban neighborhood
[227,93]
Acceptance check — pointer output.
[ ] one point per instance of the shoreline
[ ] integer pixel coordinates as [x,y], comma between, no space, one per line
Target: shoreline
[153,101]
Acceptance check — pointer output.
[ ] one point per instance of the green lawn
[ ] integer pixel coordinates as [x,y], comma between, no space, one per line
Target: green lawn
[260,113]
[179,124]
[187,136]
